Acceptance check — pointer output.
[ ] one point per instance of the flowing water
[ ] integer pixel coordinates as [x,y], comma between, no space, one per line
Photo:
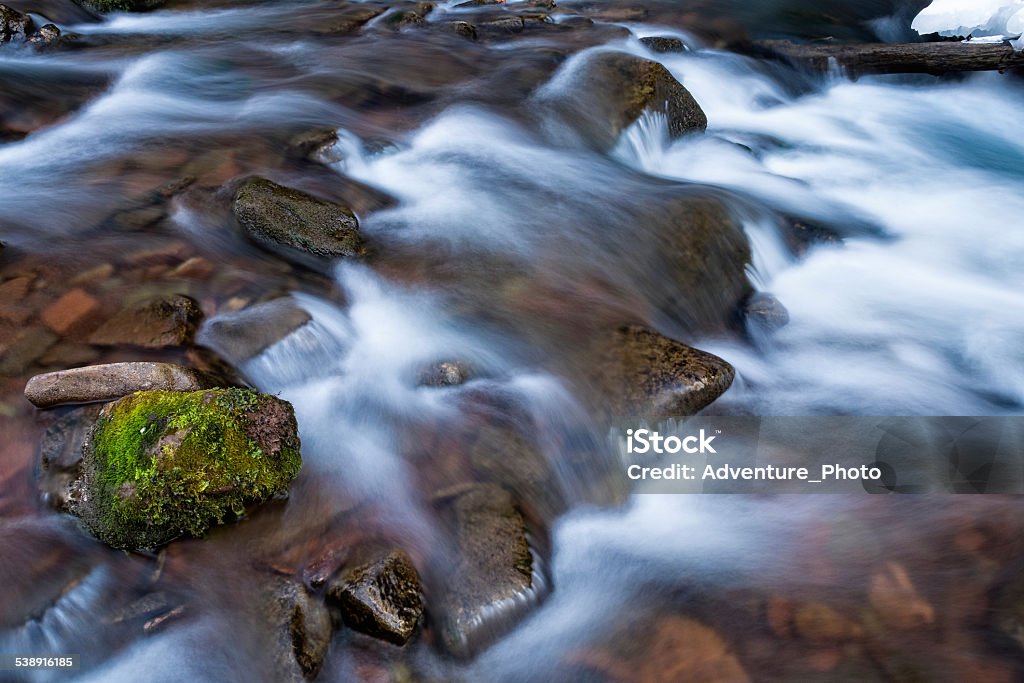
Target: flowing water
[507,238]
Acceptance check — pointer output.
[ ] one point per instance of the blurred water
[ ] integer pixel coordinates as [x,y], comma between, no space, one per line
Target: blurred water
[502,211]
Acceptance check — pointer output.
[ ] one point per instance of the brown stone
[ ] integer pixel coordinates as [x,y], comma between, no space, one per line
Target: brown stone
[154,323]
[492,580]
[644,373]
[302,629]
[896,600]
[26,346]
[69,311]
[820,623]
[110,382]
[378,593]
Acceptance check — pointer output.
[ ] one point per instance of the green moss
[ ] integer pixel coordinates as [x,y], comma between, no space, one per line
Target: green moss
[161,464]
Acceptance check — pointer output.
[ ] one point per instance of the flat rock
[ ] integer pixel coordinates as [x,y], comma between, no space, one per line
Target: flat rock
[491,583]
[109,382]
[244,334]
[378,593]
[643,373]
[276,216]
[155,323]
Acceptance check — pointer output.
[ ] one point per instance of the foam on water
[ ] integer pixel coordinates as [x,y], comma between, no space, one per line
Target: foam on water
[881,325]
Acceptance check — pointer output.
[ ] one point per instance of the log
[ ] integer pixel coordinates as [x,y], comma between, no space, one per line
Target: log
[905,58]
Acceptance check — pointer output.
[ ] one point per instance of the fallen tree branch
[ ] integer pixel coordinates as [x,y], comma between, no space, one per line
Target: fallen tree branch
[880,58]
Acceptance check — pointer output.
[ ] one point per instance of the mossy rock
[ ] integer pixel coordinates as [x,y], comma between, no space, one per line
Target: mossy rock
[162,464]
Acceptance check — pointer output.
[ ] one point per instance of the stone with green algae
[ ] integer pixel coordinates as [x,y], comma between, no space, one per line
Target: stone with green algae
[163,464]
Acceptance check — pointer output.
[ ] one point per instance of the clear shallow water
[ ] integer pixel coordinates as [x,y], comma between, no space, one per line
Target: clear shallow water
[511,234]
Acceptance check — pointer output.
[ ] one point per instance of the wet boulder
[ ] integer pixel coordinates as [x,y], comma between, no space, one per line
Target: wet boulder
[640,372]
[154,323]
[244,334]
[445,374]
[14,26]
[765,314]
[611,90]
[493,578]
[97,383]
[161,464]
[280,217]
[301,628]
[698,255]
[663,44]
[378,593]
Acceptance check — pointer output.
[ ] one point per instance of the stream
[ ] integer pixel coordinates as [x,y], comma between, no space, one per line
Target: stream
[503,235]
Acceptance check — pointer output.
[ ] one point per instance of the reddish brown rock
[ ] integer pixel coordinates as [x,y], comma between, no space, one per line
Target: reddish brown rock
[69,311]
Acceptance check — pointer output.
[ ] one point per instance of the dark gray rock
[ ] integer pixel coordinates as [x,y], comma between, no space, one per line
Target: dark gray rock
[276,216]
[765,313]
[378,593]
[60,454]
[14,26]
[244,334]
[302,629]
[663,44]
[446,374]
[109,382]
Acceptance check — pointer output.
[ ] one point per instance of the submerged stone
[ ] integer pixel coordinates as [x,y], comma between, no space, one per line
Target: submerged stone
[492,581]
[244,334]
[663,44]
[379,594]
[278,216]
[154,323]
[161,464]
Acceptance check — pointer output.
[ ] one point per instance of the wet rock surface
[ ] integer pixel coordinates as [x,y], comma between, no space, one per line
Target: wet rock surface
[613,89]
[378,593]
[108,382]
[14,26]
[644,373]
[276,216]
[663,44]
[493,579]
[302,629]
[161,464]
[242,335]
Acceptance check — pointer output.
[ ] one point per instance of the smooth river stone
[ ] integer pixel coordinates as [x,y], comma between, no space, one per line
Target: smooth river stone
[109,382]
